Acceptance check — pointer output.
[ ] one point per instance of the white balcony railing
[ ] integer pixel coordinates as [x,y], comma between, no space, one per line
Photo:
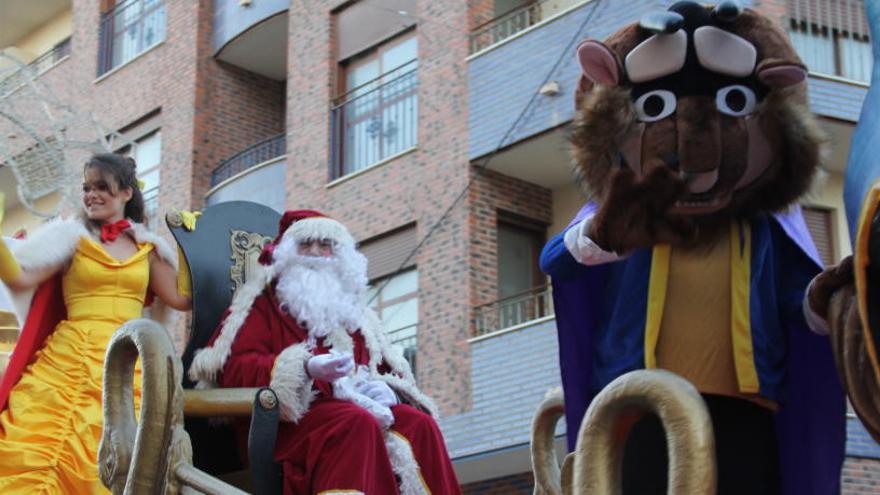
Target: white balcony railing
[517,309]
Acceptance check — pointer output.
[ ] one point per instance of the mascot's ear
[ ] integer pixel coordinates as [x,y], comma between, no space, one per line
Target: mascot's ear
[779,73]
[598,63]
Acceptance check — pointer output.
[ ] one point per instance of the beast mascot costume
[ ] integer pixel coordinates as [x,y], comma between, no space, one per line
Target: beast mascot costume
[694,140]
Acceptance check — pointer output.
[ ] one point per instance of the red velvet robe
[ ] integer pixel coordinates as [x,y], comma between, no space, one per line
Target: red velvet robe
[336,445]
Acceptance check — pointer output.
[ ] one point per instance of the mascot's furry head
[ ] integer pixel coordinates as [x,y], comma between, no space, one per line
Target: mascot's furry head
[712,94]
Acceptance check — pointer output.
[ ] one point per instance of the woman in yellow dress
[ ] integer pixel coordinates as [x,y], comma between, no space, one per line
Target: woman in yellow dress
[107,261]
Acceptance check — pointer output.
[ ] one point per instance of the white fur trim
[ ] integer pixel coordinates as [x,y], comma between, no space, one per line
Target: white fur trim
[401,378]
[320,228]
[344,389]
[583,249]
[291,382]
[209,361]
[163,249]
[51,246]
[404,464]
[410,393]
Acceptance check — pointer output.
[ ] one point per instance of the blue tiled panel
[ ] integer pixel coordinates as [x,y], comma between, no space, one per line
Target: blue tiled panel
[858,442]
[504,79]
[836,99]
[510,375]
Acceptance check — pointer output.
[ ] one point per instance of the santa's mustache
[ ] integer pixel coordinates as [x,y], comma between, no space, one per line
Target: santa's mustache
[312,291]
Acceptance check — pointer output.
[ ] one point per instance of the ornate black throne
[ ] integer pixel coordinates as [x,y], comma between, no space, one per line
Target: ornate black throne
[222,252]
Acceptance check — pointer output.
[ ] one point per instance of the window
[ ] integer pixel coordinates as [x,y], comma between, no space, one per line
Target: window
[147,153]
[832,37]
[520,281]
[819,224]
[129,28]
[395,299]
[377,116]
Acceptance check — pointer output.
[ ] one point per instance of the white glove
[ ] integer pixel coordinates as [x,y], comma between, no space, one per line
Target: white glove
[329,367]
[379,391]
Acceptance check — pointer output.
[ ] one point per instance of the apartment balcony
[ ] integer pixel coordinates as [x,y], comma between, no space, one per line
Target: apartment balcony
[513,311]
[15,73]
[252,34]
[253,174]
[22,19]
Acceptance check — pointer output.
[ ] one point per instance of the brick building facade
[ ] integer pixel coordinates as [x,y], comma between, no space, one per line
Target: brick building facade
[470,158]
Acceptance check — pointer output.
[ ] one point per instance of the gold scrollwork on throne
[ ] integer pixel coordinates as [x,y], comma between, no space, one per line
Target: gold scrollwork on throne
[246,249]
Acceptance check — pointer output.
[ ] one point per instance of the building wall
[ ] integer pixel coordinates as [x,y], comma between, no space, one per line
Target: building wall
[418,187]
[161,78]
[489,193]
[207,110]
[860,477]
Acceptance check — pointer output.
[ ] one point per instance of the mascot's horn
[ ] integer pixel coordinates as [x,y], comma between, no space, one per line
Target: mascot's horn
[727,10]
[662,22]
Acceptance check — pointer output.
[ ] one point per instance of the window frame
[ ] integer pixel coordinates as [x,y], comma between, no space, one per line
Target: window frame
[378,304]
[107,31]
[340,121]
[149,195]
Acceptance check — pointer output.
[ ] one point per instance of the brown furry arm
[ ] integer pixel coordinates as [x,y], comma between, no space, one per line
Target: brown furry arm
[634,214]
[825,284]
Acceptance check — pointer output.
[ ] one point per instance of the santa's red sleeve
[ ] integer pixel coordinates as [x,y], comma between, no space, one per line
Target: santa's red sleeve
[255,361]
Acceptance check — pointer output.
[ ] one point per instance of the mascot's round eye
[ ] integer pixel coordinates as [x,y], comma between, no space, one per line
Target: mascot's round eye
[736,101]
[655,105]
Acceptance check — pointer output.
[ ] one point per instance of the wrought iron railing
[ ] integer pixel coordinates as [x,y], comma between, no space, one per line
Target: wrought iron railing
[128,29]
[505,26]
[375,121]
[832,37]
[258,153]
[517,309]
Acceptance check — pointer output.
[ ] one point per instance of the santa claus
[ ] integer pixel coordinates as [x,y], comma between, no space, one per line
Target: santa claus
[353,419]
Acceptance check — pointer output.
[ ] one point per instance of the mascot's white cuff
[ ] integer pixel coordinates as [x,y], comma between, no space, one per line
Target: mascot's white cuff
[291,382]
[583,249]
[816,323]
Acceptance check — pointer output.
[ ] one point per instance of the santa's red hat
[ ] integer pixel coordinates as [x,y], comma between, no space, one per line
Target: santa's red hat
[306,225]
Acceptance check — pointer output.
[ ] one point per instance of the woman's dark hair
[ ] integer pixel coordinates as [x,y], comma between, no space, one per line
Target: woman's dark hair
[123,170]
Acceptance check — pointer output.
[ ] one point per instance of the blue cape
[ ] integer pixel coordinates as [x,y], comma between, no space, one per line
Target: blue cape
[810,424]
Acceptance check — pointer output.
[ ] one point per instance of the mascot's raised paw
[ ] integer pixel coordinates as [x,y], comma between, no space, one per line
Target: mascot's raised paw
[639,213]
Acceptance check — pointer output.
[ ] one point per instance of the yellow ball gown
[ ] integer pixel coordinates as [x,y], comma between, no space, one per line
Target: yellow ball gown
[50,432]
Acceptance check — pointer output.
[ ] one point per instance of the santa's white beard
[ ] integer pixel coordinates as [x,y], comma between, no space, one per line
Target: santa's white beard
[315,291]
